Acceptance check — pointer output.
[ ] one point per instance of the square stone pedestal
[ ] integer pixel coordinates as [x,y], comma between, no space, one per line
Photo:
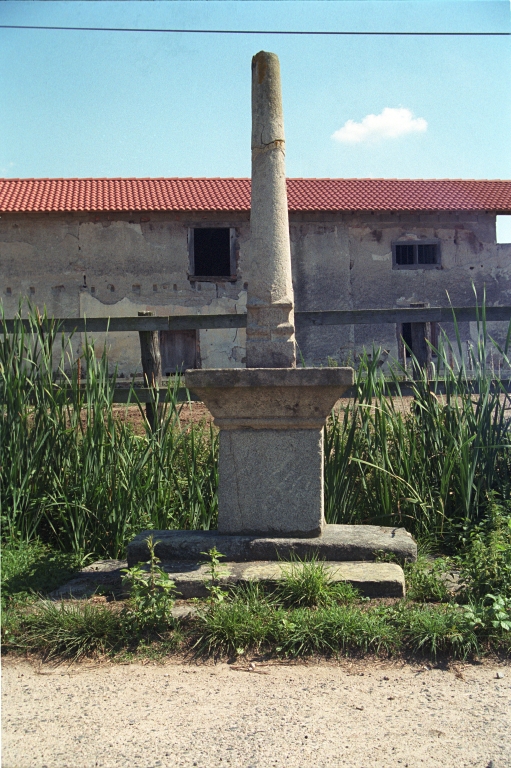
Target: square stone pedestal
[271,482]
[271,445]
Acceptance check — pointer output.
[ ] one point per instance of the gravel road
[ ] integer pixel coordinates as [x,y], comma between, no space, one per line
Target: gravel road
[357,714]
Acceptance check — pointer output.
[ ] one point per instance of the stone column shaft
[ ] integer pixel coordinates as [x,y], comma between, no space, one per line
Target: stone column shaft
[270,301]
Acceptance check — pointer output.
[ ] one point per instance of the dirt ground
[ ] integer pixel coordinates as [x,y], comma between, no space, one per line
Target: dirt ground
[370,714]
[197,413]
[194,412]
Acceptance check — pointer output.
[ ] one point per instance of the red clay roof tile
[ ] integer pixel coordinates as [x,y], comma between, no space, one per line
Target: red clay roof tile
[230,195]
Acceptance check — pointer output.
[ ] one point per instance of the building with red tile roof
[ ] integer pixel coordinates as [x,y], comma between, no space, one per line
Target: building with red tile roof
[112,247]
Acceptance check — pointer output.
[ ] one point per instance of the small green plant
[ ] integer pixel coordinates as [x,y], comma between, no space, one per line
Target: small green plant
[241,621]
[66,631]
[434,629]
[426,581]
[494,612]
[309,583]
[215,574]
[485,562]
[152,594]
[500,612]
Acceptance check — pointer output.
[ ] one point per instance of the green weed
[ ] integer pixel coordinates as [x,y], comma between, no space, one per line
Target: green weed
[433,468]
[309,584]
[233,626]
[485,559]
[152,595]
[437,629]
[214,572]
[334,630]
[74,475]
[427,581]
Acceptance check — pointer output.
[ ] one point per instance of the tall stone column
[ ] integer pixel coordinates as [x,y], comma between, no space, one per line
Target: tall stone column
[271,414]
[270,316]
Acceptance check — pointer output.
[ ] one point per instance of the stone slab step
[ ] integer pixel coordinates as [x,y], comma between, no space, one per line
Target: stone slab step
[337,543]
[105,575]
[371,579]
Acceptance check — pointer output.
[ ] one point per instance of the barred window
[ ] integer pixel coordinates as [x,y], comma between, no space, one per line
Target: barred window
[416,254]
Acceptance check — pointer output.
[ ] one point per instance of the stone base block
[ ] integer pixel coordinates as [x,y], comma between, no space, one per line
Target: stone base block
[337,543]
[271,444]
[104,576]
[271,482]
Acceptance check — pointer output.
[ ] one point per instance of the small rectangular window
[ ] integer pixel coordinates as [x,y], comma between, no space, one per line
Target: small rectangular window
[212,252]
[416,254]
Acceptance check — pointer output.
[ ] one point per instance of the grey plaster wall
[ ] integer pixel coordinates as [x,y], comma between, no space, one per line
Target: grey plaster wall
[345,262]
[340,261]
[115,266]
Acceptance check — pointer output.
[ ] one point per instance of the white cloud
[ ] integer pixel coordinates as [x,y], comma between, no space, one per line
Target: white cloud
[389,124]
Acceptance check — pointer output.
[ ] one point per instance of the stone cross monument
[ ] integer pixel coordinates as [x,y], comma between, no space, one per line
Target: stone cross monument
[271,414]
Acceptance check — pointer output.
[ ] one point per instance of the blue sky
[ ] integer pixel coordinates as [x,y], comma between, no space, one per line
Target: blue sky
[114,104]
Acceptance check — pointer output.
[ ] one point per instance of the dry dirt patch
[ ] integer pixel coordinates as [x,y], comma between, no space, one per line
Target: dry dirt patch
[191,413]
[370,714]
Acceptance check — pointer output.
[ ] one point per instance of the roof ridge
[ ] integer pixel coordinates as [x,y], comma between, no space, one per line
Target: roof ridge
[240,178]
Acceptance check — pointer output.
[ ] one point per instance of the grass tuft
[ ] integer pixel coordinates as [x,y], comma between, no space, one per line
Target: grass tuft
[309,584]
[66,631]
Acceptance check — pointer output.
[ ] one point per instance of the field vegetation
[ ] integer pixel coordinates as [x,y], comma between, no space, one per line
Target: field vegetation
[77,483]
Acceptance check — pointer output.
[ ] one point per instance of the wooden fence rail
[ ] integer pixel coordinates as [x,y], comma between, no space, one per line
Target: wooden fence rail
[146,324]
[302,319]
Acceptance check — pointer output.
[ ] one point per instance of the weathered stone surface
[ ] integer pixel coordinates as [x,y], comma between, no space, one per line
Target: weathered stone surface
[271,445]
[371,579]
[337,543]
[191,578]
[270,300]
[272,482]
[106,574]
[276,398]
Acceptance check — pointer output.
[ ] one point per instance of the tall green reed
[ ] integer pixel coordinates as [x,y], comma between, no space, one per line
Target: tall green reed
[73,473]
[432,468]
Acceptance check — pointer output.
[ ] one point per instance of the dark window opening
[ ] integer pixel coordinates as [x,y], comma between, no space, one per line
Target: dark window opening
[426,254]
[406,334]
[416,255]
[404,254]
[179,351]
[212,252]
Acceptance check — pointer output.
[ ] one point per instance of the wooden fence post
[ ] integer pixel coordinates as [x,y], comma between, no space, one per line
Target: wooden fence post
[151,366]
[421,334]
